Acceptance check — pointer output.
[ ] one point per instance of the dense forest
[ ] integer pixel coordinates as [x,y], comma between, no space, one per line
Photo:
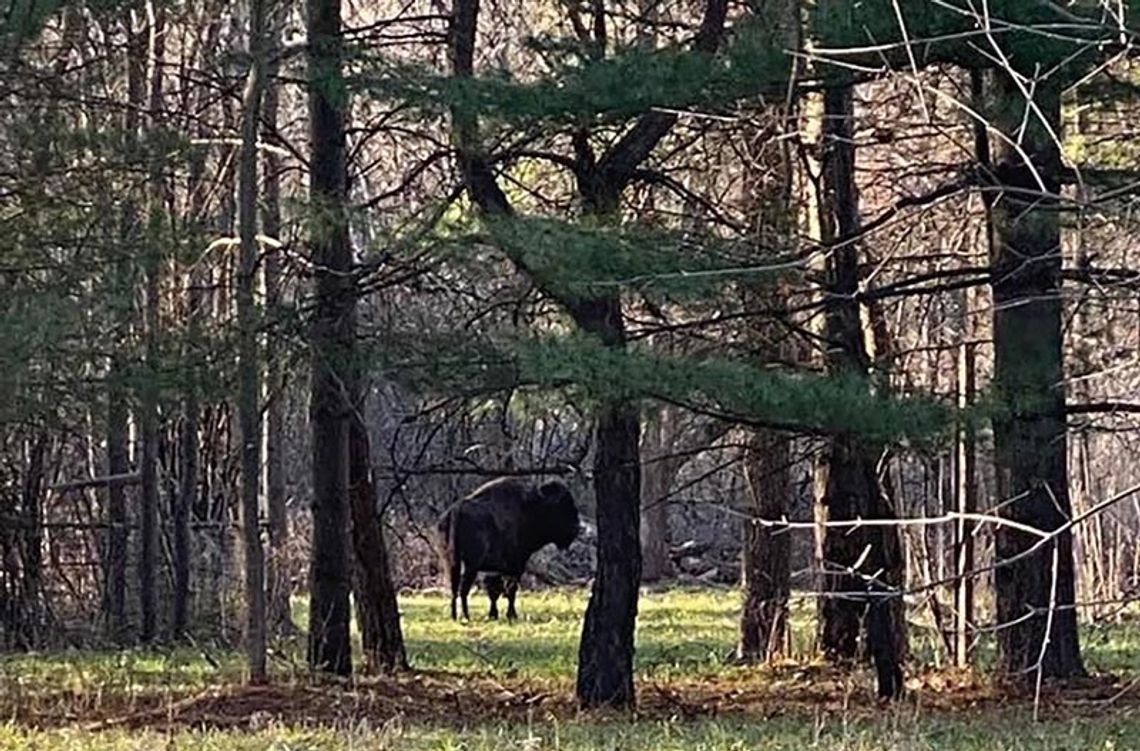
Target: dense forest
[826,307]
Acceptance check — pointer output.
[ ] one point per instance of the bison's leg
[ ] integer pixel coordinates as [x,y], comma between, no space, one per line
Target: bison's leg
[512,588]
[465,588]
[493,584]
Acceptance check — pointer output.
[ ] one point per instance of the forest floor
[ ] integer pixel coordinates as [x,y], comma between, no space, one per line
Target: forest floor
[493,685]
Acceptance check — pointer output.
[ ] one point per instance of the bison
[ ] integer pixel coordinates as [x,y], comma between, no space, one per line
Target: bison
[496,529]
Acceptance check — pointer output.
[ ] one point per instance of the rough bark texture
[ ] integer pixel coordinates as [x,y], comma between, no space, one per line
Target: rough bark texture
[853,489]
[374,591]
[657,474]
[765,567]
[605,653]
[331,337]
[249,361]
[1030,446]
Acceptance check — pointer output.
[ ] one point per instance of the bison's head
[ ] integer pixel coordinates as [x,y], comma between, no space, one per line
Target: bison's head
[561,513]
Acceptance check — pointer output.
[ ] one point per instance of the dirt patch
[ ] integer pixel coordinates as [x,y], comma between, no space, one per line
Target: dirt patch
[463,700]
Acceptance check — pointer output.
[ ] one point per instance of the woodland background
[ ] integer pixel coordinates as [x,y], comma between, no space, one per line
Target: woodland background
[280,283]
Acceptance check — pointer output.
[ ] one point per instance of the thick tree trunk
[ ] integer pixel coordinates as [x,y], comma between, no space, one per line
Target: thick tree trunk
[249,363]
[1030,447]
[375,593]
[332,340]
[767,550]
[605,653]
[853,488]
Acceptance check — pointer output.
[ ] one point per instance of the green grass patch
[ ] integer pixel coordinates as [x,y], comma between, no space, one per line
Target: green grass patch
[684,644]
[892,733]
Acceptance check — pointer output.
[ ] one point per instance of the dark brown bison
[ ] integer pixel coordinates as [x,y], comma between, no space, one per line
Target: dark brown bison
[496,529]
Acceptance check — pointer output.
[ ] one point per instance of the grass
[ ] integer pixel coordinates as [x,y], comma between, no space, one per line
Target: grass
[494,685]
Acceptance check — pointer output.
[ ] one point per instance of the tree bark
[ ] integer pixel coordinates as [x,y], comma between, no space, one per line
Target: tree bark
[119,417]
[656,480]
[331,338]
[249,363]
[605,653]
[766,564]
[375,593]
[1030,447]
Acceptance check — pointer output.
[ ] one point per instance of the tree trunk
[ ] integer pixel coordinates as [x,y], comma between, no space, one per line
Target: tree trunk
[375,593]
[767,550]
[118,465]
[119,417]
[187,490]
[656,479]
[279,614]
[605,653]
[249,364]
[853,488]
[28,605]
[331,337]
[1030,447]
[153,251]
